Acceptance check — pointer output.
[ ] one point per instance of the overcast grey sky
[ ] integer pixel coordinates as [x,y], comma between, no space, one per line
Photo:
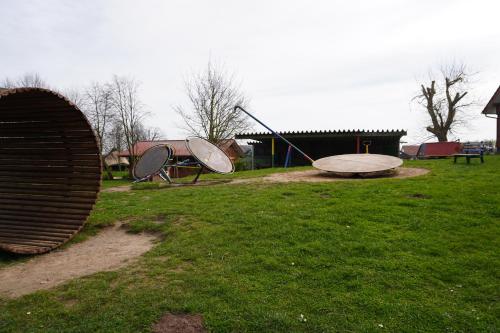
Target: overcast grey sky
[303,64]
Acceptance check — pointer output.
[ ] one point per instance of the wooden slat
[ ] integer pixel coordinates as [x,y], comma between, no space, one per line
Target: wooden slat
[42,126]
[53,175]
[20,144]
[45,203]
[59,139]
[61,215]
[47,199]
[32,235]
[51,187]
[34,191]
[34,164]
[13,240]
[41,220]
[49,228]
[50,181]
[24,249]
[45,209]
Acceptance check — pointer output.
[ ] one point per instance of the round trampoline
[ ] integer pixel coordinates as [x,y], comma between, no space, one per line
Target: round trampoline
[209,155]
[50,170]
[357,163]
[152,161]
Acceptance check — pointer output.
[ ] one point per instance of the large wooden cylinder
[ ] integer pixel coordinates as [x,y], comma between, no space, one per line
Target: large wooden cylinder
[50,170]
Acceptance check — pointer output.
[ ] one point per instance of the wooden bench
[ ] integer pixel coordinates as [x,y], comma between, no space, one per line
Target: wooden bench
[468,157]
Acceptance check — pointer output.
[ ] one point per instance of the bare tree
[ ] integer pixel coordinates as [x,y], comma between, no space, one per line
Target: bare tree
[213,95]
[116,138]
[97,105]
[76,97]
[31,80]
[150,133]
[129,110]
[446,103]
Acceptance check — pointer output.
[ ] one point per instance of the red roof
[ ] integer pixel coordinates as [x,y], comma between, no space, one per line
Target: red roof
[140,147]
[179,147]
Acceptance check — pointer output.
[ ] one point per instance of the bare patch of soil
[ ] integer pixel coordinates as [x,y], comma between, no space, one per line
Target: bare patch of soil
[124,188]
[111,249]
[321,176]
[180,323]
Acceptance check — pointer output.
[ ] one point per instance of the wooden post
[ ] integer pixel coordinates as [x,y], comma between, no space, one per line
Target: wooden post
[498,129]
[272,153]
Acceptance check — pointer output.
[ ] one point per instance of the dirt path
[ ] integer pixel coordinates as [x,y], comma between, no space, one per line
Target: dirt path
[311,176]
[109,250]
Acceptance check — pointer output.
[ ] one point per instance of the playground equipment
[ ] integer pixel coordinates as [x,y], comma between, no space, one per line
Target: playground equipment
[156,160]
[50,170]
[348,164]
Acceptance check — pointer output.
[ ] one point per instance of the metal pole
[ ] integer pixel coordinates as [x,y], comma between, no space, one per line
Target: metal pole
[275,133]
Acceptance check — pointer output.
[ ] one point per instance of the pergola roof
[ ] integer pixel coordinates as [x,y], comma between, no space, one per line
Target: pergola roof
[491,107]
[323,134]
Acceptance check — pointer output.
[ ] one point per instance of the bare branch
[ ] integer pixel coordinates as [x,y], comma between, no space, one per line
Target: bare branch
[213,95]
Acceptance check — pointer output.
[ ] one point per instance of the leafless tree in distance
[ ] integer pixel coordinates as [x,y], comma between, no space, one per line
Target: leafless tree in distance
[212,96]
[150,133]
[446,101]
[76,96]
[129,110]
[31,80]
[98,107]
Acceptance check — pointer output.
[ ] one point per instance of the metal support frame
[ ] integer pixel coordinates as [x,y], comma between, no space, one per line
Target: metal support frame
[274,132]
[166,177]
[198,175]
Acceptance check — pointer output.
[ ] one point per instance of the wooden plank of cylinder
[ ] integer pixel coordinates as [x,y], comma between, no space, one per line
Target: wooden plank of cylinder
[50,170]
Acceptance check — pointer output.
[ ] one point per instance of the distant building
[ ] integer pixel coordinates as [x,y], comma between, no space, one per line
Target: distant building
[116,162]
[409,151]
[492,110]
[318,144]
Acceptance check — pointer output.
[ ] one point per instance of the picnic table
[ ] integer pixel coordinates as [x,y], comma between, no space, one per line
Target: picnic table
[468,157]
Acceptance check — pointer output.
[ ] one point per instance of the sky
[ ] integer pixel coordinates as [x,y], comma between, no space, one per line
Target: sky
[304,65]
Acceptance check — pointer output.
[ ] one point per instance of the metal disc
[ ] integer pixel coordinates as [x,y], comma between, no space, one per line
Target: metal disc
[152,161]
[209,155]
[357,163]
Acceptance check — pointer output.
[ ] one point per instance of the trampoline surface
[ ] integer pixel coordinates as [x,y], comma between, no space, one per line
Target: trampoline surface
[357,163]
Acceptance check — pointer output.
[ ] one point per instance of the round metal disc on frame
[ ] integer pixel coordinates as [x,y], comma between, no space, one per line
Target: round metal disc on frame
[357,163]
[152,161]
[209,155]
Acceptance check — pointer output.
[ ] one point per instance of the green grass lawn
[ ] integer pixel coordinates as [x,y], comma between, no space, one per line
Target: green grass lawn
[381,255]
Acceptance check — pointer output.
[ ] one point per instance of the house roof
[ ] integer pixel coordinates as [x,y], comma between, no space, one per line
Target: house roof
[410,150]
[114,159]
[491,107]
[140,147]
[322,133]
[179,147]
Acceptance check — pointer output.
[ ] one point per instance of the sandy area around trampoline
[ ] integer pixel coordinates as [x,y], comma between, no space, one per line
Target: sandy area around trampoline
[314,176]
[109,250]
